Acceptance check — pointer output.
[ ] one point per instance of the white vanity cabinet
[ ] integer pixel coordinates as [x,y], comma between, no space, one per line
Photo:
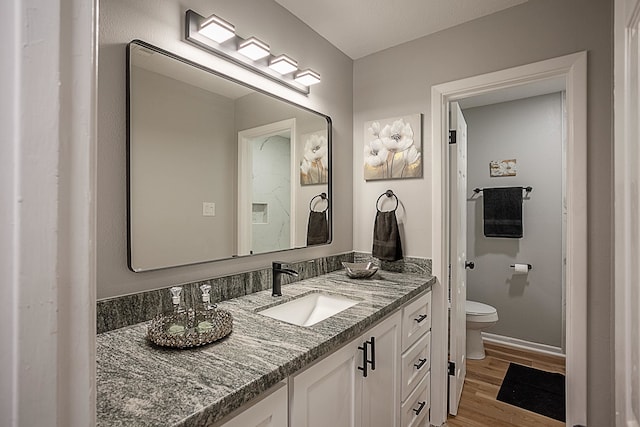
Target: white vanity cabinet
[372,381]
[269,411]
[380,379]
[358,385]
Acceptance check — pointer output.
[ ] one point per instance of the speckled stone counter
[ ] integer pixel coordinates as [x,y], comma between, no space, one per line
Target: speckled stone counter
[139,384]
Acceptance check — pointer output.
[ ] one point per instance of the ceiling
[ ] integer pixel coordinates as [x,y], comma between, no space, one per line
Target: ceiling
[362,27]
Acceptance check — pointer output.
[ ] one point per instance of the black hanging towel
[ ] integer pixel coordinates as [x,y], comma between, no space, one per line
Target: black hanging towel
[386,235]
[503,212]
[318,227]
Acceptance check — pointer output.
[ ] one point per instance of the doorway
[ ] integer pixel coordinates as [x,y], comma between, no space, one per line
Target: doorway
[266,188]
[570,72]
[510,147]
[519,143]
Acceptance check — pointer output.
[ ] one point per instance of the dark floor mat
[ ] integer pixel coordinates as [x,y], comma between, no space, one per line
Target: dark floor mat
[535,390]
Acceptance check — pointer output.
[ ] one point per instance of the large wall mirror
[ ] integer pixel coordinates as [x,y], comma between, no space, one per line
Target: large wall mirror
[218,169]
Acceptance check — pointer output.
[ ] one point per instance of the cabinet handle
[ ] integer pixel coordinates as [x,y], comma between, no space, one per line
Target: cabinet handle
[417,411]
[365,356]
[365,359]
[420,318]
[373,353]
[420,363]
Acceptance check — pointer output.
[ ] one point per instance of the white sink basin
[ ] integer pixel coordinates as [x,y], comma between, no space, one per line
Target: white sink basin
[309,309]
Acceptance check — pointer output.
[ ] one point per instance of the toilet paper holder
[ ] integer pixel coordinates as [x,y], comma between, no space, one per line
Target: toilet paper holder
[529,266]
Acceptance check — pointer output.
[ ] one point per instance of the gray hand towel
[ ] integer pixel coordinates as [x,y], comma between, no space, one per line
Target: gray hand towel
[318,228]
[386,237]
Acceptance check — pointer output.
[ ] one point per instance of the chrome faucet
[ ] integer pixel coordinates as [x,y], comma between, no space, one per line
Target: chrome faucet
[277,272]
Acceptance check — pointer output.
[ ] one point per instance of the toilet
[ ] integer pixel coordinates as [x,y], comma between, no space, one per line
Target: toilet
[479,317]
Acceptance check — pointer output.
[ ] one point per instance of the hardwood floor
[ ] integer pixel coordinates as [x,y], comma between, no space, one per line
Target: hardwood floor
[478,405]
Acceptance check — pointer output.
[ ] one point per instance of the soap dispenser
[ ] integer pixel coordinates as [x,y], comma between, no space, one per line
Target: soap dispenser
[177,323]
[205,311]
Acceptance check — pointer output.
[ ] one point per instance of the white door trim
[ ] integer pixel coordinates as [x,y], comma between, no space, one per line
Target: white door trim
[573,69]
[626,177]
[48,212]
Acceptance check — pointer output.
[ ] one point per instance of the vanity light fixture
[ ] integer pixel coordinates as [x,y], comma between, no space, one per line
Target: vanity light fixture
[254,48]
[307,77]
[283,64]
[217,36]
[217,29]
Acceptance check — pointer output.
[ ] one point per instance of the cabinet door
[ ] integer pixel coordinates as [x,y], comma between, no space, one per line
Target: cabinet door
[328,394]
[268,412]
[381,387]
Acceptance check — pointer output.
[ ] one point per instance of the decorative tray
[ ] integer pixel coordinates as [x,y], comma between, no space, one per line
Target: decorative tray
[166,330]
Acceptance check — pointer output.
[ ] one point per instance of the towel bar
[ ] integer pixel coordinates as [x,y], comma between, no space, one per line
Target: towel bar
[527,189]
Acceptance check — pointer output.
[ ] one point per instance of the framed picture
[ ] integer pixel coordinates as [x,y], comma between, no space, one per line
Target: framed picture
[502,168]
[393,148]
[314,166]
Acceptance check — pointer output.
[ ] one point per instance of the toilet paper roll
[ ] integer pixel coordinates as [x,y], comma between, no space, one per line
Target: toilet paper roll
[521,268]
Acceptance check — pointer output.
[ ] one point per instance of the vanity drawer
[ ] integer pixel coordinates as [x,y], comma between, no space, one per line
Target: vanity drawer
[415,364]
[416,409]
[416,320]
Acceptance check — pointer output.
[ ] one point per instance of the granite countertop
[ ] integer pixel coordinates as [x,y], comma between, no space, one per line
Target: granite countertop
[144,385]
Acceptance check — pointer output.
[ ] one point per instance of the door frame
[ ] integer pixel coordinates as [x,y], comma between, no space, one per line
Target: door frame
[573,70]
[48,192]
[626,131]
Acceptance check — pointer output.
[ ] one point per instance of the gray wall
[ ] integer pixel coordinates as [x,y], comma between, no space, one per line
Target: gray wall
[161,23]
[530,131]
[398,81]
[181,154]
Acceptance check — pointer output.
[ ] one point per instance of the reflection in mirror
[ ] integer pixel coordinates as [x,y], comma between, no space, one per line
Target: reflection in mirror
[217,169]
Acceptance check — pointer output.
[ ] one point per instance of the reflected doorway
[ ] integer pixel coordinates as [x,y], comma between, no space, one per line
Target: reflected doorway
[266,197]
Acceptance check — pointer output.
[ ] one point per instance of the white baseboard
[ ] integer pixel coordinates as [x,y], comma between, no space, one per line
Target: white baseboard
[526,345]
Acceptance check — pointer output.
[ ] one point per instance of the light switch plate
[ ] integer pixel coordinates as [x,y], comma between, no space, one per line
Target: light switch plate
[208,209]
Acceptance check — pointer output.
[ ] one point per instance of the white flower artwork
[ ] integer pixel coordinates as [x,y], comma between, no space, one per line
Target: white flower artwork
[502,168]
[393,148]
[314,166]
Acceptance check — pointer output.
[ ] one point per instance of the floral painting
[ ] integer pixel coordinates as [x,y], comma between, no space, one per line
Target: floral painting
[314,166]
[502,167]
[393,148]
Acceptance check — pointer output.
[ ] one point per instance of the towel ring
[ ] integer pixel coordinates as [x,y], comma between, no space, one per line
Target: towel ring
[322,196]
[387,193]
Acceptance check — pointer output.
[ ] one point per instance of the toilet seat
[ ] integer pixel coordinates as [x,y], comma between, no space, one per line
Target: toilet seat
[479,312]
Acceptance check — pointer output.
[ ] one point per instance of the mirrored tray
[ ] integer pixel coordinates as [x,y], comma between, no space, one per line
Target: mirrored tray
[209,327]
